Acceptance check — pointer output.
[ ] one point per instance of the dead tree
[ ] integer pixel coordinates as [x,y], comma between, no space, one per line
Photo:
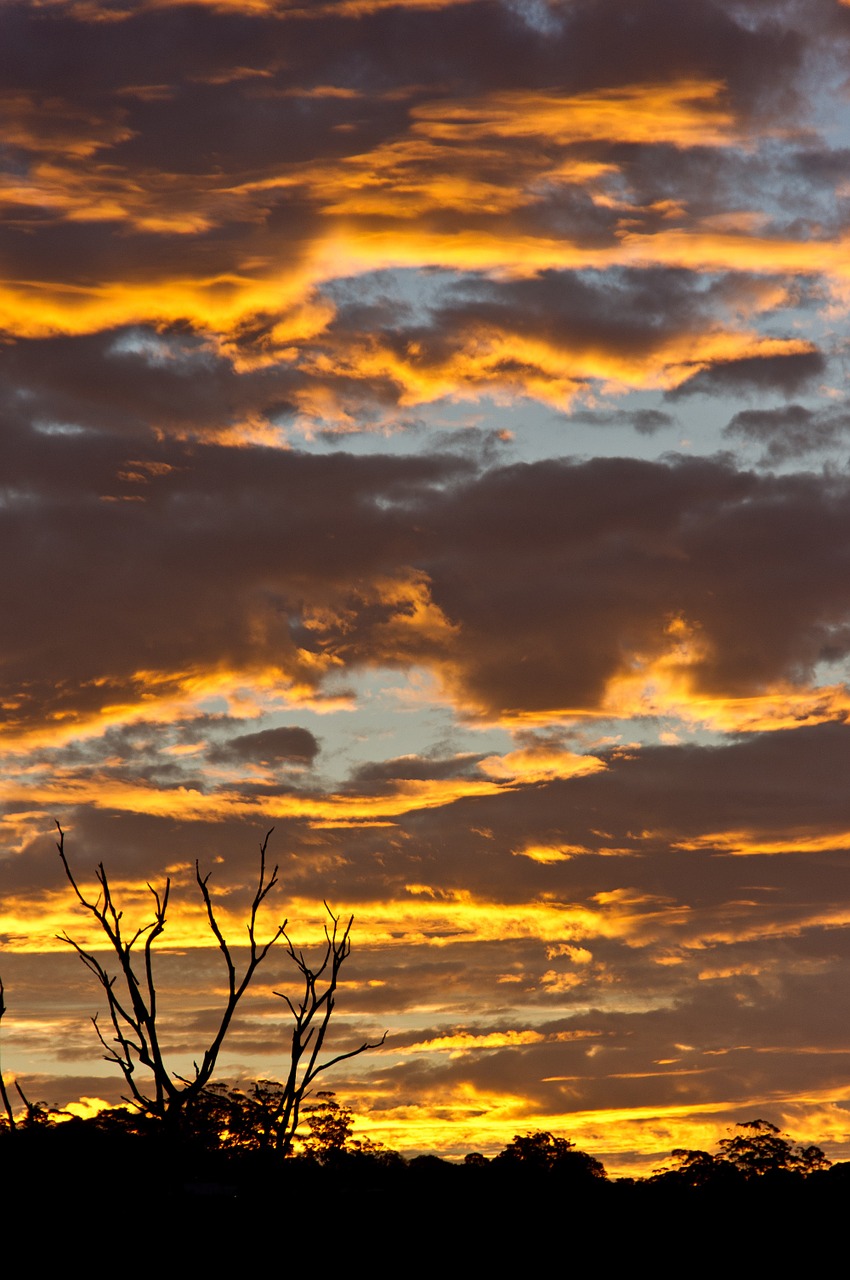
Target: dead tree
[134,1014]
[312,1014]
[4,1096]
[132,1000]
[34,1112]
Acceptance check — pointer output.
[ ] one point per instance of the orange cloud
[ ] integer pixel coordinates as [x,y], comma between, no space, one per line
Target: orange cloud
[373,209]
[465,1042]
[663,685]
[748,843]
[540,764]
[684,113]
[453,1119]
[426,916]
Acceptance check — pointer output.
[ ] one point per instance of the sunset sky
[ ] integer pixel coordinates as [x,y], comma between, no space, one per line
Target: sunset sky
[425,433]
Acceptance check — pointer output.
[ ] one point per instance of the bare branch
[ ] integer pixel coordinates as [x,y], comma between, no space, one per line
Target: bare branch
[134,1015]
[131,999]
[311,1019]
[4,1097]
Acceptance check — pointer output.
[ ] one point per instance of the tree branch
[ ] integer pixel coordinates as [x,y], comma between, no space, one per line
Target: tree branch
[4,1097]
[135,1017]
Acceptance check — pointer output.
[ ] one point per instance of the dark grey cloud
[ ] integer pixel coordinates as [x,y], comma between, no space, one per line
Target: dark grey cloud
[645,421]
[624,312]
[786,374]
[238,557]
[790,432]
[379,772]
[286,745]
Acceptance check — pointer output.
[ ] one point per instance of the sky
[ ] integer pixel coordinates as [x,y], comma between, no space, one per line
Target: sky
[425,433]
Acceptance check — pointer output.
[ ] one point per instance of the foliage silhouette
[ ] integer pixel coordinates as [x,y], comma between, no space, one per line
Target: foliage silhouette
[757,1150]
[331,1134]
[540,1153]
[761,1149]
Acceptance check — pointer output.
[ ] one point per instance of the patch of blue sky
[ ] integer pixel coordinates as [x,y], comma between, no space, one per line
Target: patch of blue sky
[398,713]
[391,714]
[544,16]
[415,289]
[158,349]
[50,427]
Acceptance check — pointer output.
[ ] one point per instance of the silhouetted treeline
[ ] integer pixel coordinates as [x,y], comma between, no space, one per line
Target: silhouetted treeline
[215,1194]
[224,1157]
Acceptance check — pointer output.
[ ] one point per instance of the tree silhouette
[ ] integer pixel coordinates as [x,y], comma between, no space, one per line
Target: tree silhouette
[756,1150]
[541,1153]
[761,1149]
[311,1015]
[330,1126]
[4,1096]
[132,1006]
[35,1113]
[131,997]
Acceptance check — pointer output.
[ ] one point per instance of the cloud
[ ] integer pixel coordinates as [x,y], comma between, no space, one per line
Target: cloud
[281,573]
[787,374]
[563,153]
[790,432]
[270,747]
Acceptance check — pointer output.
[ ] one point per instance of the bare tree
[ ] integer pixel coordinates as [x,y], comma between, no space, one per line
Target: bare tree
[4,1096]
[133,1008]
[132,1002]
[34,1112]
[312,1014]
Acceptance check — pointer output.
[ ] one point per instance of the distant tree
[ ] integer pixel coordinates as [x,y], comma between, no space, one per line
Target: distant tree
[475,1160]
[541,1153]
[311,1014]
[695,1169]
[757,1150]
[331,1133]
[330,1126]
[131,997]
[761,1149]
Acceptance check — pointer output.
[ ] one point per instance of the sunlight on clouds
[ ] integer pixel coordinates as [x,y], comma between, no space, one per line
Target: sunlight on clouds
[84,1108]
[282,8]
[465,1042]
[455,1119]
[547,853]
[215,304]
[749,843]
[187,804]
[664,685]
[175,695]
[502,363]
[685,113]
[427,916]
[630,1141]
[540,764]
[713,251]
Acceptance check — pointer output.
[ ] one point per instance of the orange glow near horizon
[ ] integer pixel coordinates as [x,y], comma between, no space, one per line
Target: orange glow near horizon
[468,1119]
